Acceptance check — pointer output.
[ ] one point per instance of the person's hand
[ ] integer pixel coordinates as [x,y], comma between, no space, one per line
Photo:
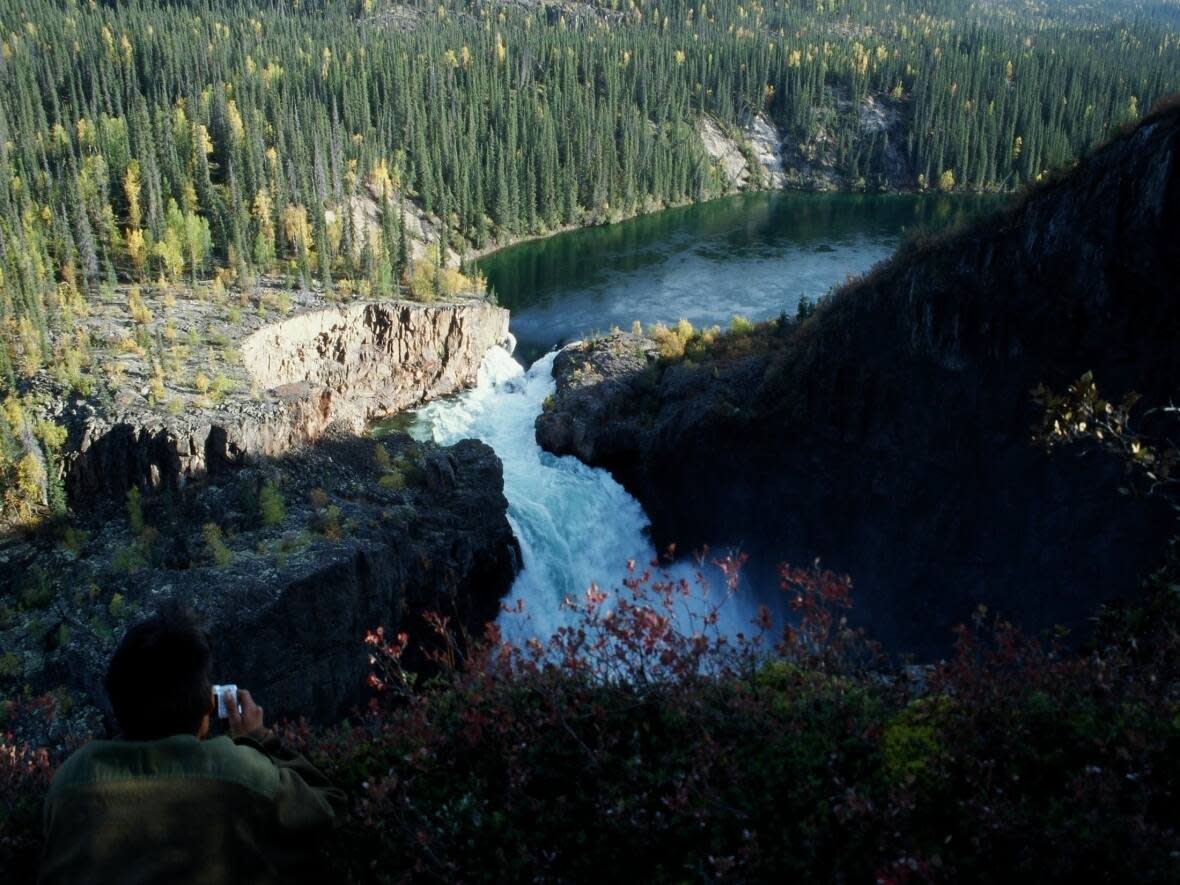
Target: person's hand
[246,722]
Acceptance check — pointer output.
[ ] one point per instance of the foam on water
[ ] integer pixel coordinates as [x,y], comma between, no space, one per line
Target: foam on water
[576,524]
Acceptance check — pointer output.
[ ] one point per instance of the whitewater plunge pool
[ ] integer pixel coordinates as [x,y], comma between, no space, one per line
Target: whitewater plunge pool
[754,254]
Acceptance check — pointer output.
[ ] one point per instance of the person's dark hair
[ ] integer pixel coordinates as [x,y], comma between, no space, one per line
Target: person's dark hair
[158,679]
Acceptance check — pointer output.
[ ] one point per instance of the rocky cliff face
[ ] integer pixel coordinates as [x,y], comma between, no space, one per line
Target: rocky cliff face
[890,433]
[725,152]
[339,366]
[812,162]
[274,515]
[760,155]
[287,604]
[444,547]
[753,158]
[378,358]
[766,146]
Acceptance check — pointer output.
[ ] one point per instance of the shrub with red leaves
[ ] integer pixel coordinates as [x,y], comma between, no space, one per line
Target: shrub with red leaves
[25,772]
[631,744]
[626,744]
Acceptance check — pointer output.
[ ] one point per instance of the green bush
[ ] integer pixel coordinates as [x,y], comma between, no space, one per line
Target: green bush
[10,666]
[381,457]
[271,509]
[327,522]
[36,588]
[214,545]
[128,560]
[220,386]
[135,519]
[671,342]
[117,607]
[739,325]
[393,479]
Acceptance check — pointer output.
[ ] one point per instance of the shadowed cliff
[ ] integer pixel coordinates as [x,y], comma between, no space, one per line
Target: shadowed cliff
[288,592]
[890,434]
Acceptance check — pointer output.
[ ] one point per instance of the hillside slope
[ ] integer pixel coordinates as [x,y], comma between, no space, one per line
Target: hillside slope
[891,433]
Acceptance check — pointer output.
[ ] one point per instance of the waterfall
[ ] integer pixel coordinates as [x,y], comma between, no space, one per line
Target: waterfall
[576,524]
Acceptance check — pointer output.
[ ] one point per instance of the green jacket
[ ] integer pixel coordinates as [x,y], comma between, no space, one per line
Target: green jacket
[181,810]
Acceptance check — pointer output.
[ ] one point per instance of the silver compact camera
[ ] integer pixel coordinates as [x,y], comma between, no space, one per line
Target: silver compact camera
[219,695]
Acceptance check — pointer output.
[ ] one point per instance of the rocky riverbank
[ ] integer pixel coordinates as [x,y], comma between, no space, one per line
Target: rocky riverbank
[890,433]
[290,559]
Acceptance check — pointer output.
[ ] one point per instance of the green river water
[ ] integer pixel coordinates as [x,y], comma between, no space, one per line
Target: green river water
[751,254]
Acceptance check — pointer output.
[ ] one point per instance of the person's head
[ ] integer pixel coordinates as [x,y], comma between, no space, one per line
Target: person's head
[158,678]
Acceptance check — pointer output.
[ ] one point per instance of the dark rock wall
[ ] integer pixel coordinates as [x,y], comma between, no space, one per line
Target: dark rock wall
[891,434]
[301,646]
[293,633]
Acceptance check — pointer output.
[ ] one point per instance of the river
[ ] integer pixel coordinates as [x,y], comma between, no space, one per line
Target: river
[755,254]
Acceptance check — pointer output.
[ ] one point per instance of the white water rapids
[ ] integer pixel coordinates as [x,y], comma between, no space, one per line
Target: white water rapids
[576,525]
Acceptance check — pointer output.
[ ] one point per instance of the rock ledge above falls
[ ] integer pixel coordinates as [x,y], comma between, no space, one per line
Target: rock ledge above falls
[334,366]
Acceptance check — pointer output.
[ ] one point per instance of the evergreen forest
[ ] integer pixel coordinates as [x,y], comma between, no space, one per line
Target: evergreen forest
[154,142]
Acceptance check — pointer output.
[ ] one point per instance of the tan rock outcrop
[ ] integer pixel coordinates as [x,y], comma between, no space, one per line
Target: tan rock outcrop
[762,142]
[725,152]
[766,144]
[378,358]
[334,367]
